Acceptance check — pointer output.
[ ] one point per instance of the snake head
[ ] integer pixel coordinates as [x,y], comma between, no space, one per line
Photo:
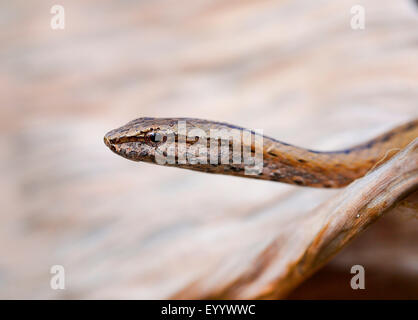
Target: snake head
[175,141]
[139,140]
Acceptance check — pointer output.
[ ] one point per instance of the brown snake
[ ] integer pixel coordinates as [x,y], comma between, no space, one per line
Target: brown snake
[143,138]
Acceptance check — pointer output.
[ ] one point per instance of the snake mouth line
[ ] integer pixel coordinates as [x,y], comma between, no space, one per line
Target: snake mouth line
[111,143]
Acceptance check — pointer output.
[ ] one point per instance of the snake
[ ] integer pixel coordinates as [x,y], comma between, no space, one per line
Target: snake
[145,139]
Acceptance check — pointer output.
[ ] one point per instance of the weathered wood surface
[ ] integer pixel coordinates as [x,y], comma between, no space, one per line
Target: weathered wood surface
[303,244]
[126,230]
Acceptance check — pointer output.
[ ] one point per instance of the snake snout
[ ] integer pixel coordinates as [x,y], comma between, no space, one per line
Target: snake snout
[107,140]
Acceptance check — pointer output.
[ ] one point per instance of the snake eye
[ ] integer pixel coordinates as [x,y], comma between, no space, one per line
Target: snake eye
[155,137]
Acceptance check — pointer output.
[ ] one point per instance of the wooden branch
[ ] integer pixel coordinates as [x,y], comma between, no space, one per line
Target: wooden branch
[305,244]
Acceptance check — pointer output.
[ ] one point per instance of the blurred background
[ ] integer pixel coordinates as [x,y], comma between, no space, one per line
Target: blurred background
[295,69]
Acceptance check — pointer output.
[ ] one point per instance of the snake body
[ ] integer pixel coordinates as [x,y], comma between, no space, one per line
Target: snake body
[280,162]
